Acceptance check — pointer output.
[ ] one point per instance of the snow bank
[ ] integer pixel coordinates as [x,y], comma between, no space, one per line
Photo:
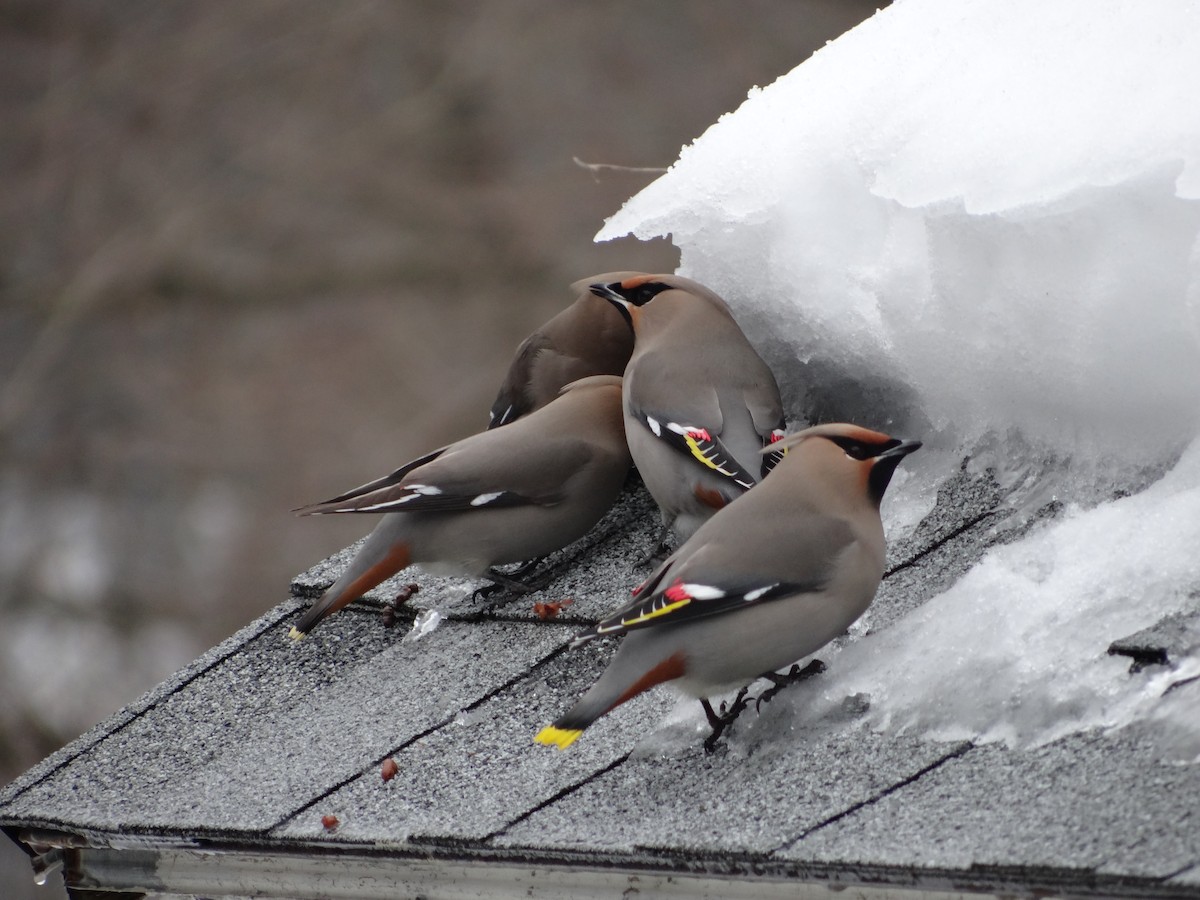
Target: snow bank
[977,223]
[993,204]
[1016,650]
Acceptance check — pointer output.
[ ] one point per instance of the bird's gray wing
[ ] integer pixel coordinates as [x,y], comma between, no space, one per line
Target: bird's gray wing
[697,443]
[771,458]
[486,471]
[685,414]
[513,400]
[349,498]
[761,396]
[718,579]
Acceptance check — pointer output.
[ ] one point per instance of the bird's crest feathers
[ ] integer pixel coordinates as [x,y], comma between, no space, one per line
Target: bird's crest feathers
[839,433]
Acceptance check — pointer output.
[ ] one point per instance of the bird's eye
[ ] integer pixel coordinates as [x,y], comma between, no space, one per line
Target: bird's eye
[644,293]
[857,450]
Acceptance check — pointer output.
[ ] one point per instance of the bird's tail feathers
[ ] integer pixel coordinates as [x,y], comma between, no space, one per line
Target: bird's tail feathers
[617,685]
[372,566]
[553,736]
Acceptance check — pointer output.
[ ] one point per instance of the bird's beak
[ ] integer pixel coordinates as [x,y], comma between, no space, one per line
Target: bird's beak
[609,292]
[900,451]
[884,465]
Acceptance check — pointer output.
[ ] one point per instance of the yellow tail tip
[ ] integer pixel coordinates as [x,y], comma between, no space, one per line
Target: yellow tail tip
[562,738]
[296,634]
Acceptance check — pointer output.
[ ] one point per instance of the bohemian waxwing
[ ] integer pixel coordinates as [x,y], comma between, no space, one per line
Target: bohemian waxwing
[763,583]
[589,337]
[699,402]
[506,495]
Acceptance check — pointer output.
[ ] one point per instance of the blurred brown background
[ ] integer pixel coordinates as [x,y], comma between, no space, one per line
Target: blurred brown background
[254,252]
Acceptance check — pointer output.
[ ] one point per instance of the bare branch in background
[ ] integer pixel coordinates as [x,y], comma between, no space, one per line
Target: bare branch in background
[597,168]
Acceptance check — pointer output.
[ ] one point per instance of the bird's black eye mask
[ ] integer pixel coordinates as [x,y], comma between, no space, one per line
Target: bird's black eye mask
[643,293]
[857,449]
[625,298]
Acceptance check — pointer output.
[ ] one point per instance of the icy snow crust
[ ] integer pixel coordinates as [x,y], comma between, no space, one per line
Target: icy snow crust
[977,223]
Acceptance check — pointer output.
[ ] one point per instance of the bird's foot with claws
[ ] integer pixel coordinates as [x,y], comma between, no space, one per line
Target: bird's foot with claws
[794,675]
[659,550]
[501,581]
[720,721]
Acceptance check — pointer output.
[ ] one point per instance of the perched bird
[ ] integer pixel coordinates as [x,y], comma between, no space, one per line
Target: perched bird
[501,496]
[763,583]
[699,401]
[589,337]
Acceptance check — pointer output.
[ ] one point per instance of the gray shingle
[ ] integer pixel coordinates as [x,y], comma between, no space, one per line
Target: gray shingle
[1089,802]
[1174,637]
[1190,876]
[249,742]
[262,737]
[228,647]
[475,775]
[761,791]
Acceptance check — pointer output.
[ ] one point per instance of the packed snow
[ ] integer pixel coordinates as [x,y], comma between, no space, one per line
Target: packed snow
[977,223]
[425,623]
[1016,650]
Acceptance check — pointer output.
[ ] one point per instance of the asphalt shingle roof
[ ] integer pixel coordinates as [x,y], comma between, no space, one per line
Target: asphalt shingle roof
[240,756]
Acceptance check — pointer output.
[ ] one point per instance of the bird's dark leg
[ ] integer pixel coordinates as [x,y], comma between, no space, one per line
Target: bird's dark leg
[722,720]
[794,675]
[658,551]
[525,568]
[511,580]
[499,581]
